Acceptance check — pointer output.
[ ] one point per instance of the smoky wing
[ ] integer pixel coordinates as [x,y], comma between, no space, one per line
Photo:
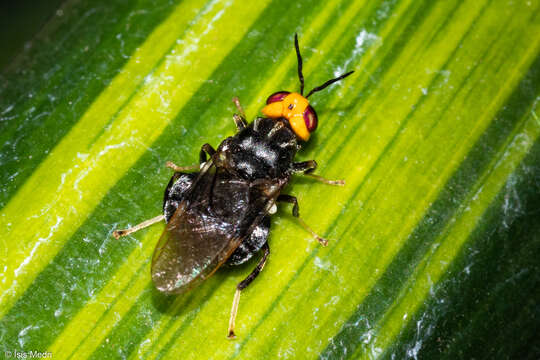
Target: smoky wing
[217,214]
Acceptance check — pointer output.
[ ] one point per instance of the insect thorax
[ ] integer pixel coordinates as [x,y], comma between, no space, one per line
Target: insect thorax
[264,149]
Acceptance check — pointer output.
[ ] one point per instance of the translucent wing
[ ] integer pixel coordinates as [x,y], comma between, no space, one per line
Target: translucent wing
[217,214]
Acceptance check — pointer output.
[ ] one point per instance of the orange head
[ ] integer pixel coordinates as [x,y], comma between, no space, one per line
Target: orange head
[296,109]
[294,106]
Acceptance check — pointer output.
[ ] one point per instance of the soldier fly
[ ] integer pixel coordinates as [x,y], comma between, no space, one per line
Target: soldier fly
[220,214]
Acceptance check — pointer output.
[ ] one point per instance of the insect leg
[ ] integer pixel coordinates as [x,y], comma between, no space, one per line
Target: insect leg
[239,120]
[118,233]
[177,168]
[244,284]
[292,200]
[307,168]
[304,166]
[206,148]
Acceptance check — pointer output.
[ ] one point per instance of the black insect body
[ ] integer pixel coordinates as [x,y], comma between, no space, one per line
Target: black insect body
[174,195]
[265,148]
[221,213]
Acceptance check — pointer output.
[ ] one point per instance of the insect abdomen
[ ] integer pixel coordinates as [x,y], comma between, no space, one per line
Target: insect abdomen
[175,191]
[251,245]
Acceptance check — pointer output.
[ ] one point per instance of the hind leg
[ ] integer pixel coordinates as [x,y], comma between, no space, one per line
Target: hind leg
[244,284]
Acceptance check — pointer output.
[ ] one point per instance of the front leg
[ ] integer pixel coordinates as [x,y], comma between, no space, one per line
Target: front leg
[307,168]
[239,120]
[206,149]
[295,211]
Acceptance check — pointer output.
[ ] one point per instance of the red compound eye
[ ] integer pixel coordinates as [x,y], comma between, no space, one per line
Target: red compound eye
[277,96]
[310,117]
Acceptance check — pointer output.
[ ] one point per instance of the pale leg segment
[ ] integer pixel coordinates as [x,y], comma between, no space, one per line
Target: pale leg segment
[119,233]
[244,284]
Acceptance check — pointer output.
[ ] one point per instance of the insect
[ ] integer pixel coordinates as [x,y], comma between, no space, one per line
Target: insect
[220,214]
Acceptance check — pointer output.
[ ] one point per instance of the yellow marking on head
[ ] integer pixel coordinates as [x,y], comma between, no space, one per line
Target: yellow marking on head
[292,108]
[294,104]
[299,126]
[273,110]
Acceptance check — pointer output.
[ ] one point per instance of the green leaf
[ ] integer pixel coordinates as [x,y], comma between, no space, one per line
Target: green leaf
[433,241]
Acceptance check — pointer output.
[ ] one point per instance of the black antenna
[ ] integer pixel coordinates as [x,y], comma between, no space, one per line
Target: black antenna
[300,75]
[329,82]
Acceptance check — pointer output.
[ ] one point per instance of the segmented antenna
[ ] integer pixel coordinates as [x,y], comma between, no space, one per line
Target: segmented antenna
[299,57]
[301,76]
[329,82]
